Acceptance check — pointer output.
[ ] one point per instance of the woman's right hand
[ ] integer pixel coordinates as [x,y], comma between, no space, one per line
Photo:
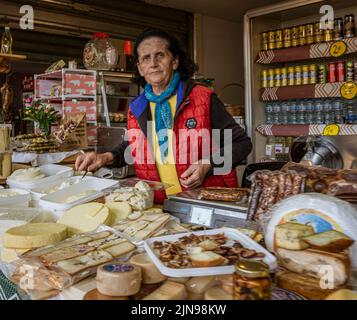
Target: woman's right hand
[92,161]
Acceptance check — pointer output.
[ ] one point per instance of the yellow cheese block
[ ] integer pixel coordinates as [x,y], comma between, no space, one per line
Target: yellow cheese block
[85,217]
[168,291]
[8,255]
[288,235]
[118,211]
[342,294]
[34,235]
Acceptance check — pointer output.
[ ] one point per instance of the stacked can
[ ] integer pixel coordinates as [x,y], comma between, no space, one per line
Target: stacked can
[305,74]
[349,71]
[318,32]
[310,33]
[264,78]
[332,72]
[271,40]
[277,77]
[340,76]
[270,78]
[298,75]
[264,40]
[295,36]
[278,39]
[291,76]
[312,74]
[322,73]
[284,77]
[287,38]
[302,35]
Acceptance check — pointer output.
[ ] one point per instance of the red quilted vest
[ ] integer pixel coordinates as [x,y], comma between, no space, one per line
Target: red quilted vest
[192,114]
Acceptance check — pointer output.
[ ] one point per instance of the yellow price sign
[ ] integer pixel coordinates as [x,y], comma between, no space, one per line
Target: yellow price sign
[349,90]
[331,130]
[338,48]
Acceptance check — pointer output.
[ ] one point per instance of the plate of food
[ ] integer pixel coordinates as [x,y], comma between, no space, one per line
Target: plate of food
[204,253]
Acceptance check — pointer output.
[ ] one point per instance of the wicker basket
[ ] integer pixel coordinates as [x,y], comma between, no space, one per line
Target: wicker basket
[233,110]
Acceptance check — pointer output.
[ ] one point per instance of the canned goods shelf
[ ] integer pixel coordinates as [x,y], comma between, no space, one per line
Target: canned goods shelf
[306,52]
[326,90]
[297,130]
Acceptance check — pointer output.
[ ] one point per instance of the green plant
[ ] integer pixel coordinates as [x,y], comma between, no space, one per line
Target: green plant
[42,113]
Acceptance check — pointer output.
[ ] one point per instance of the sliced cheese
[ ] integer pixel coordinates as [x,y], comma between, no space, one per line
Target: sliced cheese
[168,291]
[118,280]
[217,293]
[118,211]
[288,235]
[85,217]
[120,249]
[150,273]
[8,255]
[34,235]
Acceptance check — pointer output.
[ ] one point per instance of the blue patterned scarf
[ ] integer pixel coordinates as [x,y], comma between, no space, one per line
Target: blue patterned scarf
[163,117]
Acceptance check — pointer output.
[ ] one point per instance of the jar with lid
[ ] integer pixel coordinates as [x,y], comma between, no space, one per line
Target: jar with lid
[252,281]
[100,53]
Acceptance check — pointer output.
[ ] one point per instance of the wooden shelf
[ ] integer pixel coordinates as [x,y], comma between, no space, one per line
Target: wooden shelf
[297,130]
[327,90]
[313,51]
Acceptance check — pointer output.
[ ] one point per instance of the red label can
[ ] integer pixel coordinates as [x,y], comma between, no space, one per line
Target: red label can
[332,72]
[340,71]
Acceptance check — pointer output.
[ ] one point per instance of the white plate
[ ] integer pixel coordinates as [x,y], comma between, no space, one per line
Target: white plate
[232,234]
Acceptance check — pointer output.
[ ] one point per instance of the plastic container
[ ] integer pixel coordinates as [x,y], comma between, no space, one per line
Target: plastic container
[232,234]
[21,199]
[53,172]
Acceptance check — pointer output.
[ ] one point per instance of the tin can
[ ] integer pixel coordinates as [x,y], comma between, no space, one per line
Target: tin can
[298,76]
[271,40]
[338,29]
[312,73]
[284,77]
[264,40]
[264,78]
[278,39]
[328,35]
[302,35]
[295,36]
[287,38]
[305,74]
[277,77]
[349,71]
[291,76]
[270,78]
[349,26]
[322,76]
[340,71]
[332,72]
[318,32]
[310,33]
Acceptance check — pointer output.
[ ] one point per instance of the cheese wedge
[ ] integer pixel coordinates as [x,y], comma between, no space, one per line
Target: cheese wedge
[34,235]
[118,211]
[85,217]
[168,291]
[288,235]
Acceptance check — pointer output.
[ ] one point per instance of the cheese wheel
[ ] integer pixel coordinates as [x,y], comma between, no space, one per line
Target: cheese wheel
[217,293]
[8,255]
[34,235]
[168,291]
[150,273]
[118,280]
[179,280]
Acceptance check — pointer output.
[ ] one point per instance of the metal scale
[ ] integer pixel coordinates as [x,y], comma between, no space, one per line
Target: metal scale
[213,214]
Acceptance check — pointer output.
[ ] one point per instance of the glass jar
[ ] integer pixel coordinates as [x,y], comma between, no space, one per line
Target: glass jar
[99,53]
[252,281]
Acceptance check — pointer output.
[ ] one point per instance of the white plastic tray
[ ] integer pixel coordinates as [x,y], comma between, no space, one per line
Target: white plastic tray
[20,200]
[54,200]
[53,172]
[232,234]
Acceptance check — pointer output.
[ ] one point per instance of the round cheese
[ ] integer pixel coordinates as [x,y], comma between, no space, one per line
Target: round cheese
[118,280]
[320,211]
[226,283]
[217,293]
[34,235]
[150,273]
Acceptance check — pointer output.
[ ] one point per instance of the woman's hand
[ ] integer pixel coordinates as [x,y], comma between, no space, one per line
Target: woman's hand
[193,177]
[92,161]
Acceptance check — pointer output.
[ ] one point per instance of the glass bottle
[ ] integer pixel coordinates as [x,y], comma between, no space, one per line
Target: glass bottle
[285,112]
[269,113]
[270,148]
[310,112]
[338,111]
[292,112]
[6,41]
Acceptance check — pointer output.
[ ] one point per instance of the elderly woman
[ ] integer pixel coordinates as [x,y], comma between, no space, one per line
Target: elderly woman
[170,106]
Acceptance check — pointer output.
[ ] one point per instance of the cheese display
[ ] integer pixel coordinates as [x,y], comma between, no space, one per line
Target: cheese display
[34,235]
[85,217]
[120,280]
[29,174]
[118,211]
[217,293]
[168,291]
[322,212]
[150,274]
[288,235]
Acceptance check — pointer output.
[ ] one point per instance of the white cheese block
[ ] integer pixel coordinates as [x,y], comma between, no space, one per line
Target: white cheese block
[118,280]
[8,255]
[150,273]
[217,293]
[168,291]
[85,217]
[199,285]
[322,212]
[34,235]
[118,211]
[288,235]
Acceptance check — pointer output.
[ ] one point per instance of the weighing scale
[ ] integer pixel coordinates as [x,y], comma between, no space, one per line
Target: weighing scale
[190,209]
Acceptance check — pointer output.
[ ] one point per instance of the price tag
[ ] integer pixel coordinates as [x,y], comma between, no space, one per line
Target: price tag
[201,216]
[338,48]
[331,130]
[349,90]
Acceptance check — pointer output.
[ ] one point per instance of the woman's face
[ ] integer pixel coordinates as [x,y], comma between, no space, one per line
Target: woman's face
[155,62]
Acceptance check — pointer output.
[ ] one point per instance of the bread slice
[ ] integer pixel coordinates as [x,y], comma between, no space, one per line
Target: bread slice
[315,263]
[331,241]
[207,259]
